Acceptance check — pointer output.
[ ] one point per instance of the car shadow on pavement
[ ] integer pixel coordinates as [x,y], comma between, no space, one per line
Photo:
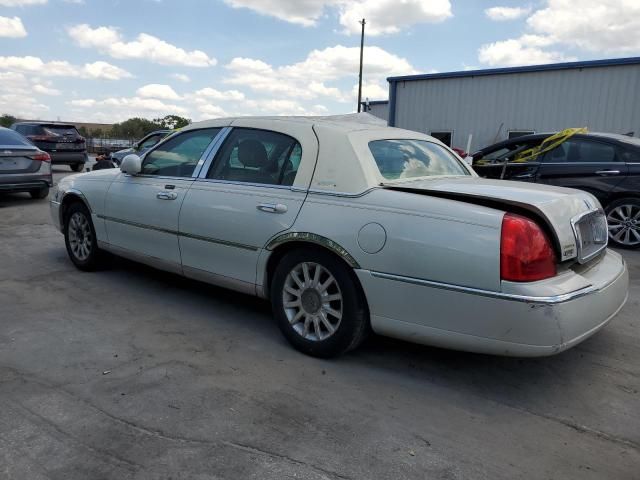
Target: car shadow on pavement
[514,380]
[18,199]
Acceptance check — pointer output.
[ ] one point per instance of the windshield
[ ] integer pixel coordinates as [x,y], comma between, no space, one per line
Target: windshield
[401,159]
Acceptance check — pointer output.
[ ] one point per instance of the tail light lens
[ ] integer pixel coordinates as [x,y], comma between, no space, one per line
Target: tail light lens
[41,138]
[43,157]
[526,254]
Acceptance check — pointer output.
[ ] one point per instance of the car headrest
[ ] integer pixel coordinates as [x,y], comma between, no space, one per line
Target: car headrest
[251,153]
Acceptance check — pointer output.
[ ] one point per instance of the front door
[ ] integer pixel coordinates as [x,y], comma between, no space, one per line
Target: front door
[141,211]
[585,164]
[242,201]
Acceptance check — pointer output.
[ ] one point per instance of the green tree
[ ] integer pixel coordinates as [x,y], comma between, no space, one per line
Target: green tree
[134,128]
[173,121]
[84,132]
[7,120]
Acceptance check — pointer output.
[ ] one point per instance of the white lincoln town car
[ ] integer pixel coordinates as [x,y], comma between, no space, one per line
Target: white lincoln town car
[350,227]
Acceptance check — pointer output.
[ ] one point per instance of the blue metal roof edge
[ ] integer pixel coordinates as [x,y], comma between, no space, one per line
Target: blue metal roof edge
[526,69]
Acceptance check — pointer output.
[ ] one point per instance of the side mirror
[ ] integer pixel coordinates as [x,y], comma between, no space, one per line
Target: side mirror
[131,164]
[136,146]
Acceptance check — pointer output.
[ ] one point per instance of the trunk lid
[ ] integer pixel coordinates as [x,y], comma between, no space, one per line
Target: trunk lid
[16,160]
[566,212]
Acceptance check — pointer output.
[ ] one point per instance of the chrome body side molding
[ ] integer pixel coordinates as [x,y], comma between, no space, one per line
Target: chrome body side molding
[313,238]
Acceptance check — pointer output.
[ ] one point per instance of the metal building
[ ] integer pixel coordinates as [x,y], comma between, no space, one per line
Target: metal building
[495,104]
[379,108]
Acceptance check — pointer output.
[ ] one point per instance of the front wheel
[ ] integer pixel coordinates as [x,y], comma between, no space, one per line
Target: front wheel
[623,217]
[80,239]
[318,304]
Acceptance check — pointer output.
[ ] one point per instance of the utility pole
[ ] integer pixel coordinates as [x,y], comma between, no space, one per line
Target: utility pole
[363,23]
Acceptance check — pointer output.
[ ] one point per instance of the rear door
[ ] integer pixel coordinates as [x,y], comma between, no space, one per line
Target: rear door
[586,164]
[239,203]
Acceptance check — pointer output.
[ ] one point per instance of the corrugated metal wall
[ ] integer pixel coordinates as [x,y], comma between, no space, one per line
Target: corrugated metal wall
[380,110]
[604,99]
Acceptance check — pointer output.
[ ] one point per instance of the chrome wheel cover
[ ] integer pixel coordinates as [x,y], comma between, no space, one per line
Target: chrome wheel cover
[624,225]
[312,301]
[79,232]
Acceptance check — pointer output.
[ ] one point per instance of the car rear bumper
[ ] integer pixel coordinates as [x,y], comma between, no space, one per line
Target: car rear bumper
[68,158]
[493,322]
[25,182]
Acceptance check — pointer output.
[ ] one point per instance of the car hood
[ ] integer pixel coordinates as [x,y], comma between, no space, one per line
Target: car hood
[555,205]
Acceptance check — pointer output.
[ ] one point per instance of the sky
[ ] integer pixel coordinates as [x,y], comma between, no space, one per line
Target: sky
[109,60]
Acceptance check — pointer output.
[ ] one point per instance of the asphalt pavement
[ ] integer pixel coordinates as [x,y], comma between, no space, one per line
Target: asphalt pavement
[132,373]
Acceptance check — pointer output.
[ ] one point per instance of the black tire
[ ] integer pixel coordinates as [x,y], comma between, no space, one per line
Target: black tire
[40,193]
[354,324]
[77,167]
[633,224]
[94,260]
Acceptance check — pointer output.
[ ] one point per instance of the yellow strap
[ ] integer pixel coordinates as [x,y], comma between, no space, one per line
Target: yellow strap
[548,144]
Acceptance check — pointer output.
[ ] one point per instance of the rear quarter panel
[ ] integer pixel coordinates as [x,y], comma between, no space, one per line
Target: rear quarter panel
[426,237]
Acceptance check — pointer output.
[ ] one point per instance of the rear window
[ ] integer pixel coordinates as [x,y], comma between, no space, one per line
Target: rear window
[59,130]
[400,159]
[9,137]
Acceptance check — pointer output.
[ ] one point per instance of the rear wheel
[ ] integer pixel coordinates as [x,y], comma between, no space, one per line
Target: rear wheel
[77,167]
[80,238]
[40,193]
[317,303]
[623,217]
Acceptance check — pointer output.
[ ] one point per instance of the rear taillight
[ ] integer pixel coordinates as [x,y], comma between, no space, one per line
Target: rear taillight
[41,138]
[526,254]
[43,157]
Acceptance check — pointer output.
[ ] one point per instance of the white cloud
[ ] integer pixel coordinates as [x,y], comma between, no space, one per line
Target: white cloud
[392,16]
[302,12]
[12,27]
[154,90]
[208,93]
[611,27]
[181,77]
[307,79]
[146,47]
[45,90]
[503,14]
[21,3]
[516,52]
[115,109]
[17,96]
[384,16]
[60,68]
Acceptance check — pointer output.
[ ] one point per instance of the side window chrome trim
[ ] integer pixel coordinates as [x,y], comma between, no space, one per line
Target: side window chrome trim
[248,184]
[210,153]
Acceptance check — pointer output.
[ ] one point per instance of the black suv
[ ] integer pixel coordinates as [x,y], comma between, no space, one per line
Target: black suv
[61,141]
[606,165]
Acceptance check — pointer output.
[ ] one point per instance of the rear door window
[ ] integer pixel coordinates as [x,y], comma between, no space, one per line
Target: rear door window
[578,150]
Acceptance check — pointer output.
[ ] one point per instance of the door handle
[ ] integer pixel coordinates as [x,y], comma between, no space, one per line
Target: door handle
[166,195]
[523,176]
[272,207]
[604,173]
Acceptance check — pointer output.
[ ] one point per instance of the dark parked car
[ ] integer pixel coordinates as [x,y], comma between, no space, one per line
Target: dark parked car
[61,141]
[605,165]
[23,166]
[141,146]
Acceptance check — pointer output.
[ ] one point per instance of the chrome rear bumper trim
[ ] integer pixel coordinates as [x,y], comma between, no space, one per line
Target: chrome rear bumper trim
[547,300]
